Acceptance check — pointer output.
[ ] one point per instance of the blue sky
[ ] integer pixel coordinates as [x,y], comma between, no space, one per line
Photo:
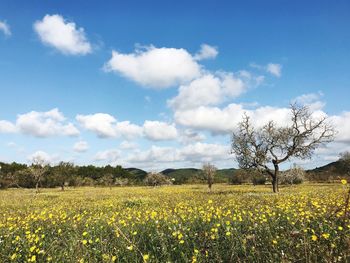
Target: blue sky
[180,76]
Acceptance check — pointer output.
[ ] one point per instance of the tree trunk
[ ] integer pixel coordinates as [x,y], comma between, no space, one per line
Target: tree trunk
[275,178]
[274,184]
[37,187]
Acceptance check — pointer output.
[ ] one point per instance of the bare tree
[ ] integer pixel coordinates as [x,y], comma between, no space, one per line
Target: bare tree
[38,168]
[209,171]
[256,148]
[344,159]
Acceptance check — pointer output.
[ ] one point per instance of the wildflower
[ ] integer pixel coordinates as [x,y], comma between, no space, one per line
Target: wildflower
[274,242]
[131,247]
[84,242]
[13,257]
[114,258]
[325,235]
[314,237]
[145,257]
[344,182]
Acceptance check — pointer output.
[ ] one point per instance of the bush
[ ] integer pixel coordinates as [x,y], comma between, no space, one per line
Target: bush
[240,177]
[157,179]
[258,179]
[295,175]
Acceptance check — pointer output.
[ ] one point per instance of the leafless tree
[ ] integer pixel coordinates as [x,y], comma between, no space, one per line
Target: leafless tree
[257,147]
[38,169]
[209,171]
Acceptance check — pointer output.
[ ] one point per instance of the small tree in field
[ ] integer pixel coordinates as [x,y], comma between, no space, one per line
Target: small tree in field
[38,169]
[209,171]
[257,147]
[63,172]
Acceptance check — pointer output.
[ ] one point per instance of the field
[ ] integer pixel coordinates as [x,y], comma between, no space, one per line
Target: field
[175,224]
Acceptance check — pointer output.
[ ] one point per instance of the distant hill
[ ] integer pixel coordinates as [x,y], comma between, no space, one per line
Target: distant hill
[137,173]
[194,175]
[328,172]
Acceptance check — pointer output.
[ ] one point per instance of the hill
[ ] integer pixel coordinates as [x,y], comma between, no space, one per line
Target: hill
[194,175]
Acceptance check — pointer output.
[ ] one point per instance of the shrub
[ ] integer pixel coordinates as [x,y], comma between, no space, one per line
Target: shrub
[157,179]
[295,175]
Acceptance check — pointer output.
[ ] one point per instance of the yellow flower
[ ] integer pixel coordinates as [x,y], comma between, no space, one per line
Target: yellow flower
[130,247]
[210,201]
[344,182]
[340,228]
[325,235]
[13,257]
[181,241]
[84,242]
[314,237]
[145,257]
[228,233]
[114,258]
[274,242]
[84,234]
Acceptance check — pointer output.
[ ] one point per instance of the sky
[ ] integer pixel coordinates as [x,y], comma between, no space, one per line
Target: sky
[163,84]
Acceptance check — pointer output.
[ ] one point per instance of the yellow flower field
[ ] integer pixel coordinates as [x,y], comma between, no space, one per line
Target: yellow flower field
[307,223]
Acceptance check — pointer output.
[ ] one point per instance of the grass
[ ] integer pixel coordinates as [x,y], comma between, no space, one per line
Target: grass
[175,224]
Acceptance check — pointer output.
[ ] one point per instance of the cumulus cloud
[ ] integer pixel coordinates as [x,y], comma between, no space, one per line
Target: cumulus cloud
[45,124]
[7,127]
[312,100]
[158,131]
[206,52]
[195,153]
[106,126]
[209,89]
[154,154]
[40,124]
[189,136]
[274,69]
[127,145]
[110,155]
[55,31]
[225,120]
[44,156]
[155,67]
[81,146]
[5,28]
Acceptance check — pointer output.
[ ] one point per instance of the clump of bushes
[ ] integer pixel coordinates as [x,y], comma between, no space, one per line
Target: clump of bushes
[157,179]
[295,175]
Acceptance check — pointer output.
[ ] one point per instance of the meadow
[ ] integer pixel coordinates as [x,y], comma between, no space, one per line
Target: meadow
[305,223]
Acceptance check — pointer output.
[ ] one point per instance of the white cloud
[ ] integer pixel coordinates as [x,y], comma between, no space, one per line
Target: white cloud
[274,69]
[155,67]
[157,131]
[128,130]
[44,156]
[5,28]
[7,127]
[189,136]
[209,89]
[110,155]
[126,145]
[206,52]
[106,126]
[81,146]
[225,120]
[342,124]
[154,155]
[205,152]
[100,123]
[55,31]
[196,153]
[45,124]
[312,100]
